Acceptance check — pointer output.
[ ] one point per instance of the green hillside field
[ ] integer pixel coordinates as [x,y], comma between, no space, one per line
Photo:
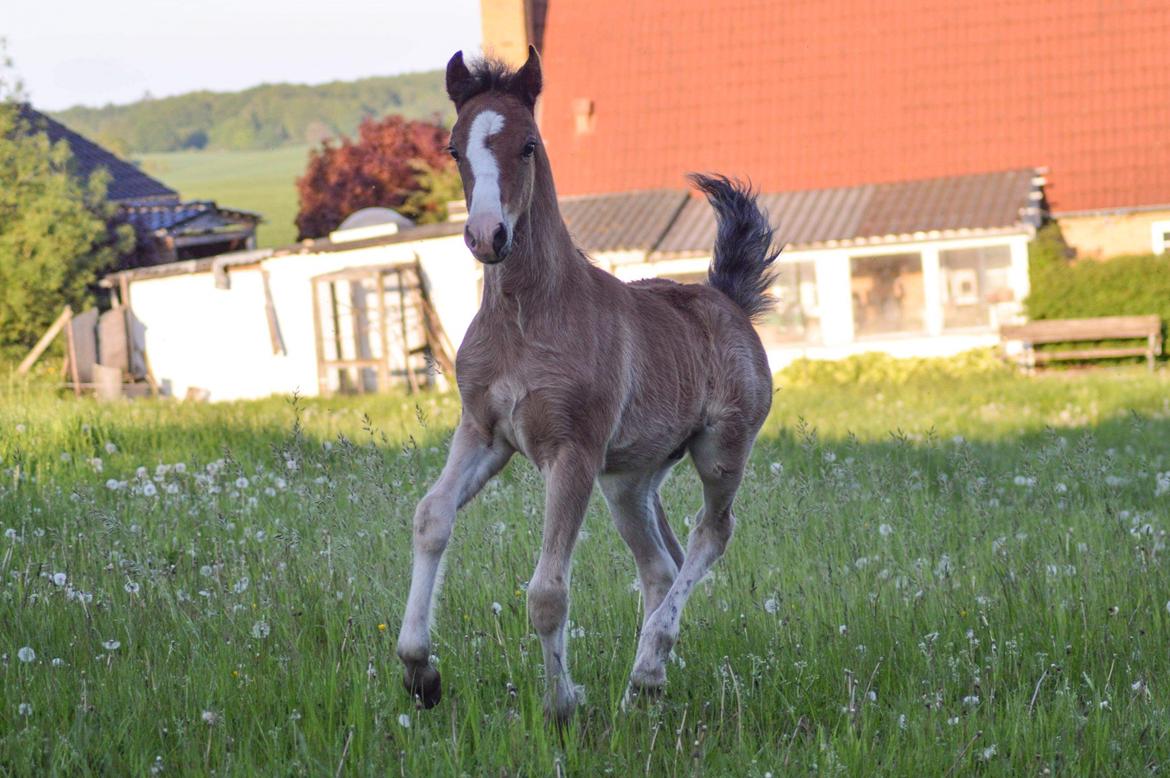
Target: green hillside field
[262,181]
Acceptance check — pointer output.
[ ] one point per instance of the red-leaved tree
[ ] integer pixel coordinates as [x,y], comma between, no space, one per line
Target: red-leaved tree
[387,163]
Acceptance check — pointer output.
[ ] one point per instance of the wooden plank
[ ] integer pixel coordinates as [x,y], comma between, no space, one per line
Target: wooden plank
[371,362]
[83,326]
[274,335]
[319,340]
[1101,328]
[383,334]
[113,341]
[1090,353]
[107,382]
[45,340]
[411,378]
[136,337]
[71,358]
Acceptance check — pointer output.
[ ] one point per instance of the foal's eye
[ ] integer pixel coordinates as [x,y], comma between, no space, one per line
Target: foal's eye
[454,152]
[529,149]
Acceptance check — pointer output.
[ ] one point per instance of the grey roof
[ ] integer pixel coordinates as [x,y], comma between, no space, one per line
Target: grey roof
[182,217]
[625,220]
[127,182]
[980,202]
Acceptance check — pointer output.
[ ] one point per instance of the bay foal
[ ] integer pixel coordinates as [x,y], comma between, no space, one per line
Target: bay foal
[592,379]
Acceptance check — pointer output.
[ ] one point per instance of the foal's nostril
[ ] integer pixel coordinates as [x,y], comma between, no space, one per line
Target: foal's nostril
[469,238]
[499,240]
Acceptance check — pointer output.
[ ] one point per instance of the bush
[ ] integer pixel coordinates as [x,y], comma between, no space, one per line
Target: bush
[1124,286]
[880,369]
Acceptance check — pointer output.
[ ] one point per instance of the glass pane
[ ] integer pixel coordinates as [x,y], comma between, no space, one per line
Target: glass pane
[888,294]
[795,316]
[972,281]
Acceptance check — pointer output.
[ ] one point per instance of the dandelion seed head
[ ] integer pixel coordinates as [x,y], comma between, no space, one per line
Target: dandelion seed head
[112,645]
[26,654]
[404,720]
[24,709]
[260,630]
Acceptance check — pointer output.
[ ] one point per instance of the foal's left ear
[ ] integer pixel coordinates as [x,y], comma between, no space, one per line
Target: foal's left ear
[529,80]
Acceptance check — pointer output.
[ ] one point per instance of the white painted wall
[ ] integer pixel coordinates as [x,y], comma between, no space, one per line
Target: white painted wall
[218,339]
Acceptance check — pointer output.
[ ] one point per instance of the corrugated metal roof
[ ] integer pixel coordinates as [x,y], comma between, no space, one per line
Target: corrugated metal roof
[624,221]
[126,182]
[979,202]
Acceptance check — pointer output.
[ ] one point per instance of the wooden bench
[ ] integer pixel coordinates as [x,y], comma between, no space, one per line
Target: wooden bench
[1073,330]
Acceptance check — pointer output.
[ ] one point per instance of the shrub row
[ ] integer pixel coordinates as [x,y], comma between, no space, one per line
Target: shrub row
[1063,289]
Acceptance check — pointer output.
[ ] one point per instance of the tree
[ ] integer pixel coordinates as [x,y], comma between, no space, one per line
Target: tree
[56,231]
[391,160]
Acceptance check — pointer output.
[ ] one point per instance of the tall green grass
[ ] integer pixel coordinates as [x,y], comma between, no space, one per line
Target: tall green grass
[954,576]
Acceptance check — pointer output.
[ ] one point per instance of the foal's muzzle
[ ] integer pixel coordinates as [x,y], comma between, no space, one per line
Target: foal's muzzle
[488,240]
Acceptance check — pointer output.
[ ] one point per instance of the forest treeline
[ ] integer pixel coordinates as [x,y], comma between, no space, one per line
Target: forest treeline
[262,117]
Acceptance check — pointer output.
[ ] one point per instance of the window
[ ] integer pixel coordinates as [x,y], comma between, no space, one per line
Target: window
[888,294]
[972,282]
[1160,236]
[796,315]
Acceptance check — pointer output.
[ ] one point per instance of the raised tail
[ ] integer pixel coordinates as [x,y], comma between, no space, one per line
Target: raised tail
[741,267]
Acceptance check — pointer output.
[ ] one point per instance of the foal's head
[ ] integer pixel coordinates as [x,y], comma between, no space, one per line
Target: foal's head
[496,144]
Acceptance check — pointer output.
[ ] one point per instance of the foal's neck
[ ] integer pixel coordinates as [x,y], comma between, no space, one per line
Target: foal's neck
[544,264]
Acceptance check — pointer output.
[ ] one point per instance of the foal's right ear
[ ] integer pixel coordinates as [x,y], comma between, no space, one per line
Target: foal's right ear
[458,80]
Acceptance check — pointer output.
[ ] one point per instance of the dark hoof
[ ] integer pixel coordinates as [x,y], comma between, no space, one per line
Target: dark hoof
[638,695]
[424,685]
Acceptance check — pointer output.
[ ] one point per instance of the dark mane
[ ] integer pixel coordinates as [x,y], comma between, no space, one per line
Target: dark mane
[488,74]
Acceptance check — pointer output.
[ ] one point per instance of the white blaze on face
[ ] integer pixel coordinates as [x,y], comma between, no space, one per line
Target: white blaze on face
[485,194]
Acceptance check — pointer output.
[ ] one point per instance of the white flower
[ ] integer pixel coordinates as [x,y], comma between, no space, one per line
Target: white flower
[971,700]
[57,661]
[241,585]
[205,571]
[113,484]
[1026,481]
[989,752]
[404,720]
[131,587]
[111,448]
[140,473]
[112,645]
[26,654]
[885,530]
[59,579]
[842,629]
[496,608]
[1061,488]
[260,630]
[180,467]
[777,468]
[66,456]
[172,488]
[96,464]
[10,533]
[210,717]
[771,605]
[148,490]
[24,709]
[241,483]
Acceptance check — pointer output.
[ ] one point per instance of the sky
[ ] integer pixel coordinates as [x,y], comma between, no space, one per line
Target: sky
[94,52]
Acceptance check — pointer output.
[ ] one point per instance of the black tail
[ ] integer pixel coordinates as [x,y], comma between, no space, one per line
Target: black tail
[741,267]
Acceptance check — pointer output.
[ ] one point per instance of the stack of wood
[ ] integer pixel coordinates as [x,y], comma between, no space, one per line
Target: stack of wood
[105,353]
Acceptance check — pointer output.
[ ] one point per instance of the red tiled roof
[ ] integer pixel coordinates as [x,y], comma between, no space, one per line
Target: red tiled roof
[806,94]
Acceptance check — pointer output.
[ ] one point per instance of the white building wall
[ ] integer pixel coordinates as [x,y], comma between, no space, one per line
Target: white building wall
[218,339]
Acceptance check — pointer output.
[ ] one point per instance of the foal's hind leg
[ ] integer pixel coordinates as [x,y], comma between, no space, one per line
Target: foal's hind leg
[473,459]
[640,520]
[720,454]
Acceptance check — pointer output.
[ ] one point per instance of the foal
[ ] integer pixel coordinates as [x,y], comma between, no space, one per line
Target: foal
[593,380]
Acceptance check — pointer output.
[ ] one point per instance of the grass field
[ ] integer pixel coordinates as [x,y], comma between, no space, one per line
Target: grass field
[955,577]
[262,181]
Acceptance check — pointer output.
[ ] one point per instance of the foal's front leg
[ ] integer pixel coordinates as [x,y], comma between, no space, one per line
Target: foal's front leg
[473,459]
[569,482]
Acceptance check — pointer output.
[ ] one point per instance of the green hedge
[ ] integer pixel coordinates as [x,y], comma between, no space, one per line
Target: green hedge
[876,368]
[1062,289]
